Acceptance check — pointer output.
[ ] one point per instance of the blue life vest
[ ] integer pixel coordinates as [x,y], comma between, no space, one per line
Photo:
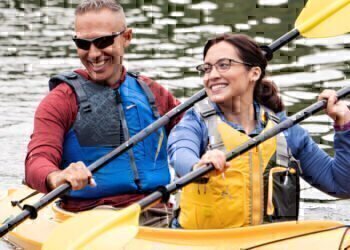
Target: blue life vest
[106,118]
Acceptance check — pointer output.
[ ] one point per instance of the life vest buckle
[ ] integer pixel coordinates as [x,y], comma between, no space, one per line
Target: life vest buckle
[71,75]
[86,107]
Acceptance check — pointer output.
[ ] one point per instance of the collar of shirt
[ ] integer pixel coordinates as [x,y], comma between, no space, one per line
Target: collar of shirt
[260,125]
[116,85]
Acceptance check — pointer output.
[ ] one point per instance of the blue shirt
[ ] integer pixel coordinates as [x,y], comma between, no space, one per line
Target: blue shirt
[188,141]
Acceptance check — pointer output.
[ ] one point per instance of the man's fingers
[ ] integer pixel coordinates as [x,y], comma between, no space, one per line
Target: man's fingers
[92,182]
[72,180]
[78,176]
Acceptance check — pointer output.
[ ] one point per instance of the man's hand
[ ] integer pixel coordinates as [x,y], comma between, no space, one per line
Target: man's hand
[76,174]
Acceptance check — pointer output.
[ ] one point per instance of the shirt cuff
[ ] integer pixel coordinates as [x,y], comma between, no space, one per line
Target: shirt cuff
[344,127]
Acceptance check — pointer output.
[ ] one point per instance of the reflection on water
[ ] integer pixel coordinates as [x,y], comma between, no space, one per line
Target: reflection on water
[35,43]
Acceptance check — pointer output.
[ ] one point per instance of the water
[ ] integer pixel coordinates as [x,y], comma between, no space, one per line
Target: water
[35,43]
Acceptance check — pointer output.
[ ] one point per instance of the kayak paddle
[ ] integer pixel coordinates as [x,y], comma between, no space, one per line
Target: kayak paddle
[305,28]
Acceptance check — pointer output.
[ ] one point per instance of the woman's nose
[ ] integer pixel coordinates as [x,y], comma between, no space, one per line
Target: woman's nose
[213,74]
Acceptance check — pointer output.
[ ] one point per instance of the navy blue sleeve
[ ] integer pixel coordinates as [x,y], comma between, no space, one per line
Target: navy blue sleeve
[331,175]
[187,142]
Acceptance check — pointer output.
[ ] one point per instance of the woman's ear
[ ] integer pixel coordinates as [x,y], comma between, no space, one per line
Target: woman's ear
[255,73]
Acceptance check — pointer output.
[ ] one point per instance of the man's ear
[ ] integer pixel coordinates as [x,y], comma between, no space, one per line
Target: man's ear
[127,35]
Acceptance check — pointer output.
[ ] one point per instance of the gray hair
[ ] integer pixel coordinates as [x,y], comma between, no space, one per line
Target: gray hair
[94,5]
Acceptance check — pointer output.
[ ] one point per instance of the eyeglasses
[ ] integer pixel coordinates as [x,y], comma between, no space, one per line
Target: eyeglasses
[221,66]
[100,42]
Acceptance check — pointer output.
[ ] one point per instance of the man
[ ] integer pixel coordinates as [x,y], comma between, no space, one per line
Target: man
[90,112]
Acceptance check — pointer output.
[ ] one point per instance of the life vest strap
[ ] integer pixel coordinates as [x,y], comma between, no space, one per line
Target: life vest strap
[74,80]
[127,137]
[148,93]
[206,109]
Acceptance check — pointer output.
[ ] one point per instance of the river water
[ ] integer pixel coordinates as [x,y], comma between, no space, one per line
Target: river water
[35,43]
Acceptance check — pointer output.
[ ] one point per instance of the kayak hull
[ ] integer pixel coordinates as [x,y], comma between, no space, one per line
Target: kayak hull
[32,234]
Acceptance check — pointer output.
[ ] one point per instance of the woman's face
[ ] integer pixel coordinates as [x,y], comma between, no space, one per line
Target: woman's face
[237,81]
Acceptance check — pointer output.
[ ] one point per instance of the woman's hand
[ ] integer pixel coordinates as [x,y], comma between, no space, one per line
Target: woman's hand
[337,110]
[215,157]
[76,174]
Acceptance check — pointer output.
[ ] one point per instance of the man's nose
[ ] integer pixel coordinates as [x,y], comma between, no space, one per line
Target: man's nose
[94,52]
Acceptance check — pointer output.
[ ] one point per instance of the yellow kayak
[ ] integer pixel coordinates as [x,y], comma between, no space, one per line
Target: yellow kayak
[32,234]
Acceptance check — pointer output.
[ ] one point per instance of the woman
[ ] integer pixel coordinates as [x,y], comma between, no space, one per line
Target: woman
[261,185]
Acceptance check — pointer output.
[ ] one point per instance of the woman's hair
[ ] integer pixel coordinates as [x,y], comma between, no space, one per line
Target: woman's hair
[265,91]
[94,5]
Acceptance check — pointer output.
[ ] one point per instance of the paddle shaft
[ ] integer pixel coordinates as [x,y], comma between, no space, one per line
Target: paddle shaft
[286,38]
[253,142]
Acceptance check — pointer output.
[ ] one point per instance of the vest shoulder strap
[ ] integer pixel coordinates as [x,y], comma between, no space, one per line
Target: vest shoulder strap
[272,116]
[148,93]
[284,156]
[283,153]
[207,112]
[75,81]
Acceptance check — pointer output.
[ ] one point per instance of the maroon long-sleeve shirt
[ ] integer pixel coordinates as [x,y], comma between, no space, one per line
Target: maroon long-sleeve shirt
[54,117]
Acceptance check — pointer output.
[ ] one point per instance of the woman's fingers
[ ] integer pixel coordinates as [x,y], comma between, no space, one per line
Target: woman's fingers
[215,157]
[337,110]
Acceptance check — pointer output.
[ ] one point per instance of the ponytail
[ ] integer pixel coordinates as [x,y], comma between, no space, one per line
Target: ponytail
[266,94]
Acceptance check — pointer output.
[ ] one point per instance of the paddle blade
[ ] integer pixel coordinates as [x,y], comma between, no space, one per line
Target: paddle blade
[96,229]
[324,18]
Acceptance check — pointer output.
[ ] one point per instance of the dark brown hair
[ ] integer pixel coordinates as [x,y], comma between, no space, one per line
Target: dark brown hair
[265,91]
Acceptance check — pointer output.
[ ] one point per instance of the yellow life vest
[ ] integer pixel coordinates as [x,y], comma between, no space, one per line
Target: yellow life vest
[245,194]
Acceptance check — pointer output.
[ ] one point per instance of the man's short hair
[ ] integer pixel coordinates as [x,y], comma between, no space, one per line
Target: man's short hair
[94,5]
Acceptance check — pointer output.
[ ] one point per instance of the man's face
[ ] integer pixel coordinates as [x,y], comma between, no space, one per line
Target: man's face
[103,64]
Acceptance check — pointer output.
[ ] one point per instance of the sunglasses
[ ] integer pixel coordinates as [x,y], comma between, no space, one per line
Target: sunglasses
[99,42]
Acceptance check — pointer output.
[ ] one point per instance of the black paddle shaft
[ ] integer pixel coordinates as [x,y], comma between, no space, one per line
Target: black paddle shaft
[286,38]
[253,142]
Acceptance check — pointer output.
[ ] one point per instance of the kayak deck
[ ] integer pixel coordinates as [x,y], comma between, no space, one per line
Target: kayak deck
[32,234]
